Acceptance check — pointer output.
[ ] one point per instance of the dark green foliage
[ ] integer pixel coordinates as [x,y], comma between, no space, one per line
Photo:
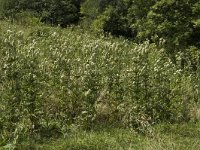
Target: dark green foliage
[119,17]
[63,12]
[109,16]
[91,9]
[177,22]
[137,12]
[118,23]
[174,21]
[55,12]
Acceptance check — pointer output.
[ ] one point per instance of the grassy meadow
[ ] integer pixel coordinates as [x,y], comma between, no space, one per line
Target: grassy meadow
[72,89]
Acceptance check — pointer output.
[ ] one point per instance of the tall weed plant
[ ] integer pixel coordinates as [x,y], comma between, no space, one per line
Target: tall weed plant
[51,79]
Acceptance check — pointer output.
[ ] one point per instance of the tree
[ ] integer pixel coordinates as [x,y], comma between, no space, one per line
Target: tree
[92,9]
[63,12]
[118,17]
[55,12]
[137,16]
[173,20]
[118,22]
[109,16]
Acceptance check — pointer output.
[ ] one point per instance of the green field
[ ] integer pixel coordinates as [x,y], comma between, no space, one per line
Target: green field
[72,89]
[164,137]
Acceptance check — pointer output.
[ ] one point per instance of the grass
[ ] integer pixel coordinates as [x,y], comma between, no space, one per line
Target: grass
[164,137]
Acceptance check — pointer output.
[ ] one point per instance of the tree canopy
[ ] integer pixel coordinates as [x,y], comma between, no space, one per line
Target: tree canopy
[62,12]
[176,21]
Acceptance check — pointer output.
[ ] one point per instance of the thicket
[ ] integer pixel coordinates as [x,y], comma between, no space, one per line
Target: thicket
[51,79]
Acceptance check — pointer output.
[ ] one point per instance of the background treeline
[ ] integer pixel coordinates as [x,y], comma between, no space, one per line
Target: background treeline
[177,21]
[54,12]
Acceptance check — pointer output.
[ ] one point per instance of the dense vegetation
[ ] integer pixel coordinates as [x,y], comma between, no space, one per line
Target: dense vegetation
[53,78]
[55,12]
[175,21]
[128,64]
